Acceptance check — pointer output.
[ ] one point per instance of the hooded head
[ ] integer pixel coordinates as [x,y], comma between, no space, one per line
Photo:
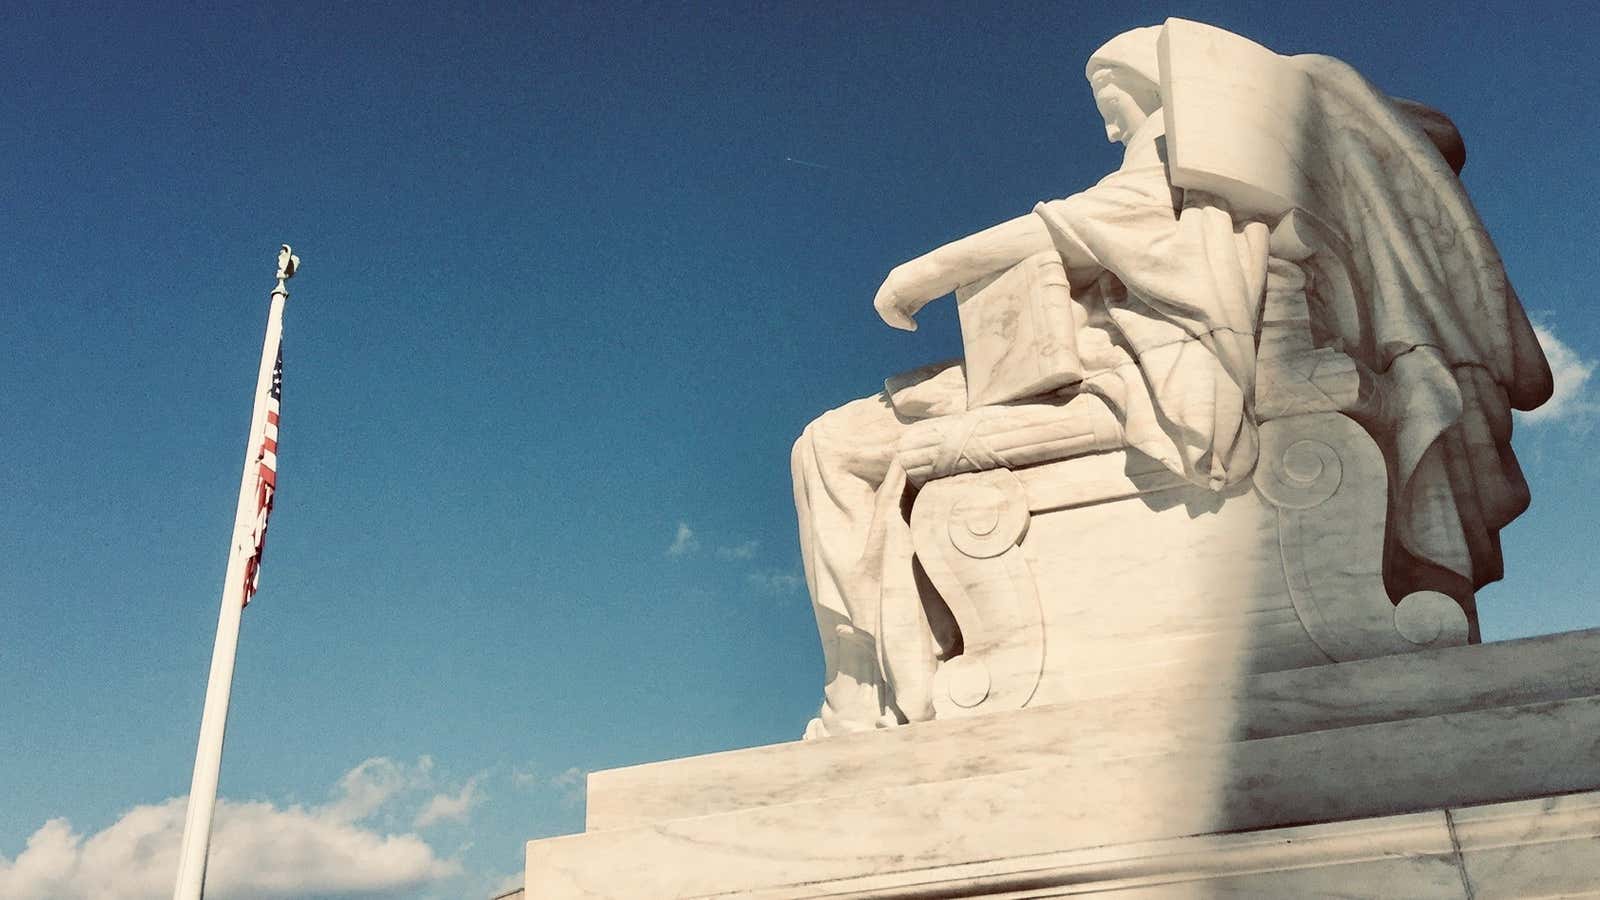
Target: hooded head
[1126,78]
[1134,51]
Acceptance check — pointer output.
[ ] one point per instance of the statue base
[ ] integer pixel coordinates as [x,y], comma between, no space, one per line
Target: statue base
[1459,772]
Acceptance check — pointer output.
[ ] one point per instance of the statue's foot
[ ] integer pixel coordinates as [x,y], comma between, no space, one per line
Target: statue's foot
[815,730]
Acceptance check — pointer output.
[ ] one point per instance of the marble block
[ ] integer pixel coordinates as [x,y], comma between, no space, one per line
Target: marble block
[1370,764]
[1548,847]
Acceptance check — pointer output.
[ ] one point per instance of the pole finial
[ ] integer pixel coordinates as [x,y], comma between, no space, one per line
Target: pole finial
[288,264]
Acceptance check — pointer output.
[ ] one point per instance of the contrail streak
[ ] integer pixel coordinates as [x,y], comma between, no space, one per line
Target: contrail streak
[812,165]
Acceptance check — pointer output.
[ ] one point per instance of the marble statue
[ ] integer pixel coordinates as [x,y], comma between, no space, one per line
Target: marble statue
[1243,403]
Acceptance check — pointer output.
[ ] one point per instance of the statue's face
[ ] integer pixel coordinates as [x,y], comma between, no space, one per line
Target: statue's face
[1121,112]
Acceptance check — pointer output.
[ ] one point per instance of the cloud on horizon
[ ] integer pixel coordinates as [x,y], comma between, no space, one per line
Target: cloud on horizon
[370,786]
[259,851]
[449,807]
[1573,404]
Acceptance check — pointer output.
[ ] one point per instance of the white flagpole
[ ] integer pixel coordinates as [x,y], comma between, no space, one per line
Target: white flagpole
[208,756]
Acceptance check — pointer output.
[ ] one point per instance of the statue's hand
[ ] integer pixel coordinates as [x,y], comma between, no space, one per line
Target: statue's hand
[896,303]
[913,284]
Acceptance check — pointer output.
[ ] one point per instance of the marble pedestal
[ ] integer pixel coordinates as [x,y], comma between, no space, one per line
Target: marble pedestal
[1461,772]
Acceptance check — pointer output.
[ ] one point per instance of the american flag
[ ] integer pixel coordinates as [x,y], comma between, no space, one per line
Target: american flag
[266,479]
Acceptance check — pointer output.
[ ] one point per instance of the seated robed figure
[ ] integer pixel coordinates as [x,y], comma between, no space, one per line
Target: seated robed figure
[1160,273]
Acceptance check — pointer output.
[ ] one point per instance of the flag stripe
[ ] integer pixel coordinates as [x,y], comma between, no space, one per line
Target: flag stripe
[266,479]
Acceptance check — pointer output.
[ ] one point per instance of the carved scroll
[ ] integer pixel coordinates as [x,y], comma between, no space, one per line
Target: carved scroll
[1328,482]
[966,530]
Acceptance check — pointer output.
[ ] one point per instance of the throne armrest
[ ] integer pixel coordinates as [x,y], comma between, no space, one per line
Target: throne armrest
[1007,437]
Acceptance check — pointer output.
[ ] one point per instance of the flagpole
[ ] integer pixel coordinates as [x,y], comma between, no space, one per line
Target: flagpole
[214,720]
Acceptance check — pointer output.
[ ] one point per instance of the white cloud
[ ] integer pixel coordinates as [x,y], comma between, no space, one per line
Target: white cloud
[775,583]
[353,845]
[570,783]
[571,777]
[1573,402]
[745,550]
[684,542]
[258,852]
[567,784]
[365,789]
[448,807]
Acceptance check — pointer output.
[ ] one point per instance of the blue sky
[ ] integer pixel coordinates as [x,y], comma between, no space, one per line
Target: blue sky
[574,278]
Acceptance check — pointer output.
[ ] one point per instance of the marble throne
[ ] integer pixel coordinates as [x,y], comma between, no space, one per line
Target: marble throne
[1306,462]
[1092,575]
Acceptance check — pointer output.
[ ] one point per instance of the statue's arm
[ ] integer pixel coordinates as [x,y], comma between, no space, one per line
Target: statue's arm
[913,284]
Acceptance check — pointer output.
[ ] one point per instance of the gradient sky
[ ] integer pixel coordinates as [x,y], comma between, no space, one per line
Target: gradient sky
[573,280]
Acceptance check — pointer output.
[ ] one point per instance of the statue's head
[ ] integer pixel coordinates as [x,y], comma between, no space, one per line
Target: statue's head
[1126,79]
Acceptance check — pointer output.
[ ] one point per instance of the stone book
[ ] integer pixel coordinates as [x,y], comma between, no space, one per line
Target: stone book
[1019,332]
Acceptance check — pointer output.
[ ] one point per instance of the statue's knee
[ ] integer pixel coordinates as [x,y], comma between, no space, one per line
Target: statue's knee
[821,432]
[801,452]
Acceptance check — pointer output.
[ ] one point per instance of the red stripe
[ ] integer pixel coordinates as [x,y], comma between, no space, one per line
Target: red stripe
[271,445]
[272,417]
[250,580]
[268,476]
